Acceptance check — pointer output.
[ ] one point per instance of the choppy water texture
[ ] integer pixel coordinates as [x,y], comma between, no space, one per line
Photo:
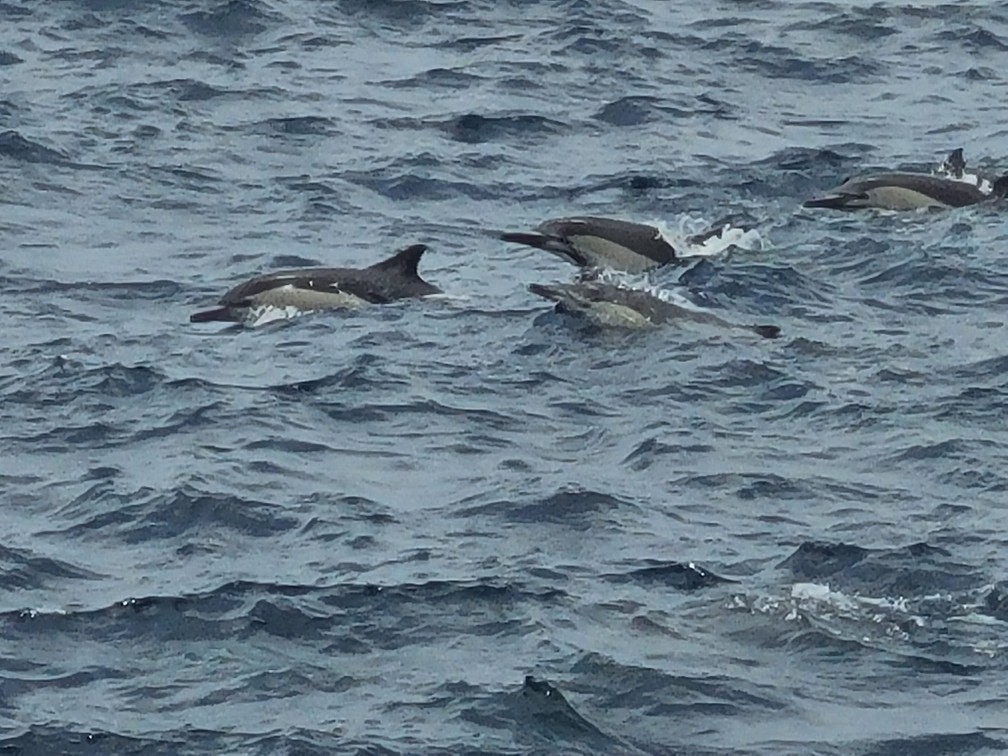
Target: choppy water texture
[361,533]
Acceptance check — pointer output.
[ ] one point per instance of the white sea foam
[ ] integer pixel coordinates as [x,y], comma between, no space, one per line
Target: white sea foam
[260,316]
[946,171]
[642,282]
[728,236]
[973,180]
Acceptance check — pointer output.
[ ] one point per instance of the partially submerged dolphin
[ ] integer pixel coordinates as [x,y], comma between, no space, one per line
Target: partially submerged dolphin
[606,304]
[905,190]
[289,292]
[593,242]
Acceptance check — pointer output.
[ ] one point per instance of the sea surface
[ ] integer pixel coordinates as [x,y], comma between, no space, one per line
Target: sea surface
[472,525]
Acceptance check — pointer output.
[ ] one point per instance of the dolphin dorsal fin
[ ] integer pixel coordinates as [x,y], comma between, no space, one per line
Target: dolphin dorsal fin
[954,165]
[404,262]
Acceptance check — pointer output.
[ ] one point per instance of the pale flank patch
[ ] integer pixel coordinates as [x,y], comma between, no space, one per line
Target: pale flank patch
[727,237]
[612,314]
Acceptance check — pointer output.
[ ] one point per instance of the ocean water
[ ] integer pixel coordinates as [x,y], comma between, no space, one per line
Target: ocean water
[472,525]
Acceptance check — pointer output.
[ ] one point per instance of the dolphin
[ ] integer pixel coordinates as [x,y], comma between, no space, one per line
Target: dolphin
[906,190]
[291,292]
[607,304]
[593,242]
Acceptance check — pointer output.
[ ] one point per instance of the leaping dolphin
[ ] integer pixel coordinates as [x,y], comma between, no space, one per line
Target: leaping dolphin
[594,242]
[291,292]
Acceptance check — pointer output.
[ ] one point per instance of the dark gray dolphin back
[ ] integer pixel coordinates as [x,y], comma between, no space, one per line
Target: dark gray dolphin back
[385,281]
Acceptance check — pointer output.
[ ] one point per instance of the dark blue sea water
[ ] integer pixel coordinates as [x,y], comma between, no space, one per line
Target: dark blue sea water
[471,525]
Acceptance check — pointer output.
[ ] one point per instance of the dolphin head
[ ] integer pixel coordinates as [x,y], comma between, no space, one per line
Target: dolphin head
[599,303]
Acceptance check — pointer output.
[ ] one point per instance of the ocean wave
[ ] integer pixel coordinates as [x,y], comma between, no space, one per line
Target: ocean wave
[578,509]
[13,145]
[905,571]
[683,577]
[361,532]
[235,19]
[102,511]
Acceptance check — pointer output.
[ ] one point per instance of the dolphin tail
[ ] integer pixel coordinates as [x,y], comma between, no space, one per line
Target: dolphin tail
[766,331]
[222,314]
[1000,188]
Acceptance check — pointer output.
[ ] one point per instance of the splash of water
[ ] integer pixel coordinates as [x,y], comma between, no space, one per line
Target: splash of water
[260,316]
[956,170]
[688,228]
